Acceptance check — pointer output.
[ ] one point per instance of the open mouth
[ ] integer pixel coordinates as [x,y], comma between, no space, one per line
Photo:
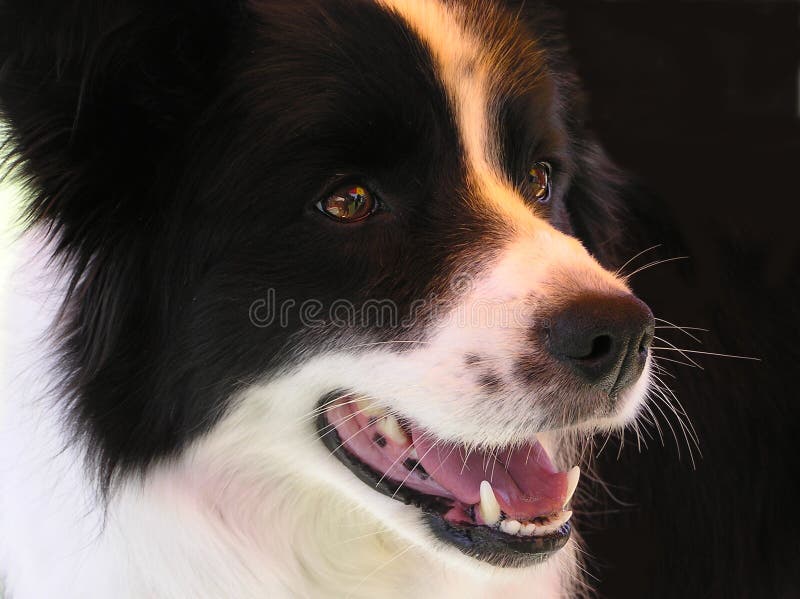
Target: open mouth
[508,506]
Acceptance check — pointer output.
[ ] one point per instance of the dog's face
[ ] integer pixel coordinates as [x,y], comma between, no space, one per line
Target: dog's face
[409,243]
[368,244]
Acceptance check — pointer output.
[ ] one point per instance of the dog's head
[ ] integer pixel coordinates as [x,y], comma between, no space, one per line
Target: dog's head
[363,224]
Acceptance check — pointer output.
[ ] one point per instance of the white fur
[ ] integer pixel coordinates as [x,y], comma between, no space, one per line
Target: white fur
[258,507]
[240,515]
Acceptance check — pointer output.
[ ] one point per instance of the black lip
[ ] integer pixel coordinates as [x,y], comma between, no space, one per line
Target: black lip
[481,542]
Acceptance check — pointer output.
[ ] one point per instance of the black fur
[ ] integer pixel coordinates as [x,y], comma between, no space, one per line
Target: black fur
[175,154]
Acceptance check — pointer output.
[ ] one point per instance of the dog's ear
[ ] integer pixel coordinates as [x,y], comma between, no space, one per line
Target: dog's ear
[96,95]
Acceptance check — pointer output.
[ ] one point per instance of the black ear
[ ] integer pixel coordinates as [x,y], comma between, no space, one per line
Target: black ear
[102,99]
[97,96]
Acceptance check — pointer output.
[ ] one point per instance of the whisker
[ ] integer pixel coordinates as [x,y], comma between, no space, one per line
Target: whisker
[684,430]
[621,443]
[664,393]
[466,457]
[397,490]
[663,359]
[656,423]
[661,370]
[378,569]
[652,264]
[590,474]
[358,432]
[669,424]
[360,345]
[672,345]
[494,463]
[441,463]
[364,536]
[640,438]
[585,571]
[402,455]
[321,408]
[608,436]
[684,330]
[621,268]
[688,328]
[707,353]
[635,426]
[331,425]
[683,411]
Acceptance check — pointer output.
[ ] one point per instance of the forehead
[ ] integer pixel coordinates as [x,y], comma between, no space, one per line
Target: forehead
[378,81]
[495,77]
[484,58]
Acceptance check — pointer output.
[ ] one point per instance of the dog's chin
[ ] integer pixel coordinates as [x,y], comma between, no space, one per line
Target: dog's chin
[505,506]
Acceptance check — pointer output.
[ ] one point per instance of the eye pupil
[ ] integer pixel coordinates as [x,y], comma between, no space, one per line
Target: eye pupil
[539,180]
[350,203]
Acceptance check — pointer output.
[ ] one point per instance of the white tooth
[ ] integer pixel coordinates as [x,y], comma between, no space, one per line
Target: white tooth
[573,476]
[528,529]
[412,453]
[368,408]
[510,526]
[545,529]
[488,507]
[391,430]
[554,524]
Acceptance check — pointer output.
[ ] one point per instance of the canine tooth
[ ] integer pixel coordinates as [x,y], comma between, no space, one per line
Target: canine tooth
[526,530]
[412,453]
[390,428]
[510,526]
[573,476]
[489,508]
[368,408]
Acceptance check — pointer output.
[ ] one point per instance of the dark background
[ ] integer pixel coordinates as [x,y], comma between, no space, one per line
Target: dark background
[699,102]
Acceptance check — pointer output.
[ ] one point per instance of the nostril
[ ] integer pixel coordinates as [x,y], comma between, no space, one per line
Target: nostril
[646,339]
[601,347]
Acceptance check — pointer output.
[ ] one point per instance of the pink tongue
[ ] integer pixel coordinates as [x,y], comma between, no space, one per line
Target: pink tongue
[525,482]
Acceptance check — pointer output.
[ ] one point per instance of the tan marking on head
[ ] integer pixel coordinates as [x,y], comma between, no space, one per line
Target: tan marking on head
[470,68]
[480,56]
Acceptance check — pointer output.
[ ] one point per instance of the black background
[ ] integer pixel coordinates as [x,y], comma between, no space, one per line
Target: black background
[699,102]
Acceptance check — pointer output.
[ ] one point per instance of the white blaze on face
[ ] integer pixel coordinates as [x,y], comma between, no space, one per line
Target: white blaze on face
[535,260]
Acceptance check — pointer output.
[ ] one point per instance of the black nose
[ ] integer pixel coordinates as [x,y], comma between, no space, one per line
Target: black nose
[603,338]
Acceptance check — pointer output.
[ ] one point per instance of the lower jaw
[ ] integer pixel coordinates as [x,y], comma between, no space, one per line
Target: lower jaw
[484,543]
[495,547]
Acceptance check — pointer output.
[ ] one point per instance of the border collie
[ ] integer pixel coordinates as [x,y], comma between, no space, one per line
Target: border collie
[317,300]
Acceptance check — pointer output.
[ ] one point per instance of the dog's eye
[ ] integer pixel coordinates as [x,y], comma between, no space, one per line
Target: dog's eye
[539,180]
[348,204]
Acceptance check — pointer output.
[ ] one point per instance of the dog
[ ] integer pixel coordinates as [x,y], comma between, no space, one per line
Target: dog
[318,299]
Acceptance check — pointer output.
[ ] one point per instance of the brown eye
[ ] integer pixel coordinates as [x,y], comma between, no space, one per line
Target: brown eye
[539,181]
[348,204]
